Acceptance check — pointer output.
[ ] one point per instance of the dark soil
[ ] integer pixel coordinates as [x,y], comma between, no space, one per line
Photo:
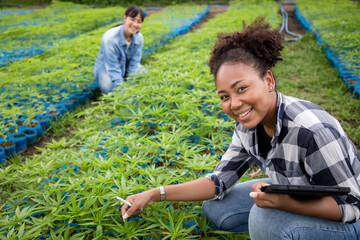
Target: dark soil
[19,124]
[46,138]
[29,132]
[14,130]
[7,144]
[40,143]
[19,136]
[31,125]
[52,113]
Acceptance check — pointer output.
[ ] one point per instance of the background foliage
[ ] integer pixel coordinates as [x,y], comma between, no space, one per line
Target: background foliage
[124,3]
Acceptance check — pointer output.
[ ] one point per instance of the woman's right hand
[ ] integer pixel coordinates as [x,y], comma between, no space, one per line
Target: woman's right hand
[139,202]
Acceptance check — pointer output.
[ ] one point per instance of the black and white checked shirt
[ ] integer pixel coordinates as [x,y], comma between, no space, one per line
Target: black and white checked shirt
[309,147]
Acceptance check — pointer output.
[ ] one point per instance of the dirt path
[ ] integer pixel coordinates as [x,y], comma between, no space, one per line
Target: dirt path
[293,24]
[151,11]
[213,11]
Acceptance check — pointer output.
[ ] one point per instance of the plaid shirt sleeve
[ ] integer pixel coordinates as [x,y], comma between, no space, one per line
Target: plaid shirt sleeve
[232,166]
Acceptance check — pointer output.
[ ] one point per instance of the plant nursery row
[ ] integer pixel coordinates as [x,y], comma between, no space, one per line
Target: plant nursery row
[44,28]
[336,26]
[47,92]
[165,127]
[169,131]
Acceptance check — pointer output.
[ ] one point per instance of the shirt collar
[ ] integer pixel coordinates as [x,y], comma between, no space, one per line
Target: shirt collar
[280,106]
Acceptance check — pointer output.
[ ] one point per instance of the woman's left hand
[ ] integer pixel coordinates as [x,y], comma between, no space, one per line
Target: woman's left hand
[268,200]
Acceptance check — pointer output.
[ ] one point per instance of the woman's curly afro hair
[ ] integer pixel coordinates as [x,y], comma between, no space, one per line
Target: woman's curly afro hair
[257,45]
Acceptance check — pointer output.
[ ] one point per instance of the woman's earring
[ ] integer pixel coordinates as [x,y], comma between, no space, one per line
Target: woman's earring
[270,88]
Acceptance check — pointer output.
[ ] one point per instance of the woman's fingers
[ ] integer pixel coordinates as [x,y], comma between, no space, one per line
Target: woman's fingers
[139,202]
[256,187]
[132,211]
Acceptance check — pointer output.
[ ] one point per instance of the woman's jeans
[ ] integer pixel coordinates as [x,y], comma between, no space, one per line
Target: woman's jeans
[106,85]
[238,213]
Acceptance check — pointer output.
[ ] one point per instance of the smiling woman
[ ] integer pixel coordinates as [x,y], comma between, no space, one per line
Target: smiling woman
[292,140]
[120,51]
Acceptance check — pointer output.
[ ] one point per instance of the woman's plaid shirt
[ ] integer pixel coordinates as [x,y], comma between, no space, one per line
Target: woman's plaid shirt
[309,147]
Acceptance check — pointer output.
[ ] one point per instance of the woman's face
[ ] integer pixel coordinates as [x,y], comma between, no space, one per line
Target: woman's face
[132,24]
[245,96]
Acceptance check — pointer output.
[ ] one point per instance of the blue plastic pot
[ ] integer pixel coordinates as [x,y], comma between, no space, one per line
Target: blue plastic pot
[80,96]
[44,121]
[87,93]
[60,108]
[355,89]
[75,100]
[46,104]
[38,128]
[69,104]
[19,140]
[20,124]
[53,115]
[31,136]
[9,150]
[2,156]
[350,81]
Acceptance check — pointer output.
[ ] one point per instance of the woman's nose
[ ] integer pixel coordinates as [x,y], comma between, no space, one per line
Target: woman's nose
[236,103]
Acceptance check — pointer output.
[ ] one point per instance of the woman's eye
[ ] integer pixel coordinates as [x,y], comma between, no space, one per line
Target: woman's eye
[241,89]
[224,97]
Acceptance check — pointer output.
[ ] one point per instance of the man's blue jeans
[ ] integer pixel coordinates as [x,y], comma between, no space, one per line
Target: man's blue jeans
[238,213]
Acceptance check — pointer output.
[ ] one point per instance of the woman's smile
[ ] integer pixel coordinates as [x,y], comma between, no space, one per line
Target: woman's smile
[244,115]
